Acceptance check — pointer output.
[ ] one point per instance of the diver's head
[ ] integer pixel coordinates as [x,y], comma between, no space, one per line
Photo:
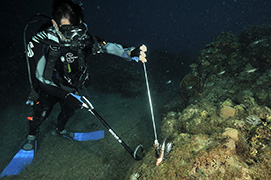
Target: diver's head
[67,12]
[68,21]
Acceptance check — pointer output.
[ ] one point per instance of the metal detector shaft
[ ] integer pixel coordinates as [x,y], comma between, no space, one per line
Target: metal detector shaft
[133,153]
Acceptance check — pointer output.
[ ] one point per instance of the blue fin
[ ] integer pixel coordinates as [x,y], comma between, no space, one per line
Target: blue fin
[87,136]
[23,157]
[19,161]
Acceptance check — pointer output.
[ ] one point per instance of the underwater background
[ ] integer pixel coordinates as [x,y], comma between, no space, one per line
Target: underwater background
[210,79]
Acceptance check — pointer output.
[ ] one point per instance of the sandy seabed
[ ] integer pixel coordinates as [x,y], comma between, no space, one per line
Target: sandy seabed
[58,158]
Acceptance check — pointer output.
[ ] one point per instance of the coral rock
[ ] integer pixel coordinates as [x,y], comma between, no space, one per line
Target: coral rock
[226,112]
[232,133]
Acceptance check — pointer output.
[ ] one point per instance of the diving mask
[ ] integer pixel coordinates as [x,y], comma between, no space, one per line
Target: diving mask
[70,32]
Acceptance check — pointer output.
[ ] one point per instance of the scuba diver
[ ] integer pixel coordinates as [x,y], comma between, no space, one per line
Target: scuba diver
[58,67]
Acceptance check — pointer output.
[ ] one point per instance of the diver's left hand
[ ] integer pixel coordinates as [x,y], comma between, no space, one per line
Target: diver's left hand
[142,54]
[139,54]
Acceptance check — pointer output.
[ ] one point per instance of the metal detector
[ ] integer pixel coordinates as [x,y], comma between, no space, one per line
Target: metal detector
[139,151]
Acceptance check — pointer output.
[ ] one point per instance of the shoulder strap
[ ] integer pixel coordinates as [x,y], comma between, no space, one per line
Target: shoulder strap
[81,60]
[51,61]
[96,49]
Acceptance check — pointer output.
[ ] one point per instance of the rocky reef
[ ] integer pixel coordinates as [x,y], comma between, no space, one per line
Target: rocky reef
[224,132]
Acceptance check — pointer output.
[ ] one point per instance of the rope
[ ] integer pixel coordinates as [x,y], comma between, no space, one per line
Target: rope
[150,101]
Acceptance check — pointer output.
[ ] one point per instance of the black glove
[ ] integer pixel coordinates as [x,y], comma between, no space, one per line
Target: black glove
[32,98]
[74,101]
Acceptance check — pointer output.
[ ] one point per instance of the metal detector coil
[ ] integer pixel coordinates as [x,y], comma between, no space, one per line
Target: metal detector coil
[138,154]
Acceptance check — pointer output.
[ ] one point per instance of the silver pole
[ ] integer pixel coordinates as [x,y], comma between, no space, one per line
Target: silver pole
[150,102]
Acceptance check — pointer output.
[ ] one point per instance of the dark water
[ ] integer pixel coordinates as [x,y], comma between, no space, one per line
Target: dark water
[175,25]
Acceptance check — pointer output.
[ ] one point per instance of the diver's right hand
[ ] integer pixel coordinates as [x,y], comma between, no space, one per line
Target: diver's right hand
[32,98]
[74,101]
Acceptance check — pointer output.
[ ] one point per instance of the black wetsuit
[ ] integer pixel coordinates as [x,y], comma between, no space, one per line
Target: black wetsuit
[57,71]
